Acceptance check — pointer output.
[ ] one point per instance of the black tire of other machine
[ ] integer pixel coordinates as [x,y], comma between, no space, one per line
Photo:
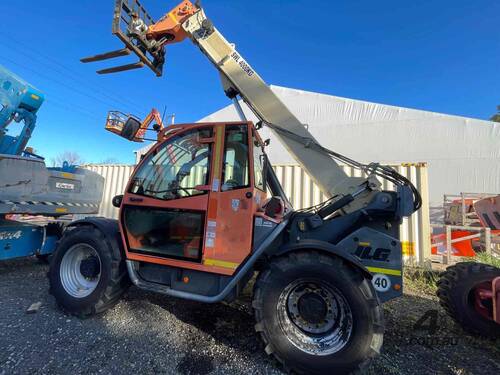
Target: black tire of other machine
[455,289]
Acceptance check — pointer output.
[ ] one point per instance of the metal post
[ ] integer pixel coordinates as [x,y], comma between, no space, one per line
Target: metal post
[445,200]
[464,218]
[447,258]
[423,215]
[487,240]
[237,105]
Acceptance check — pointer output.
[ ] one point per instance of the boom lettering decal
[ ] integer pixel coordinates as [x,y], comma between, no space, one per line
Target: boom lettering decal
[243,64]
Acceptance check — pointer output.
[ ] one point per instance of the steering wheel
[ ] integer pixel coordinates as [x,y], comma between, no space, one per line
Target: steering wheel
[231,184]
[174,188]
[185,190]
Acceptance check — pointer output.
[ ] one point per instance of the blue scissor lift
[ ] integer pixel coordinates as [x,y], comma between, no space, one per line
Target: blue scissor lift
[34,198]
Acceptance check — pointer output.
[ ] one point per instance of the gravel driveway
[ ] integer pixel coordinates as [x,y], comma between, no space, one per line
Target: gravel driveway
[147,333]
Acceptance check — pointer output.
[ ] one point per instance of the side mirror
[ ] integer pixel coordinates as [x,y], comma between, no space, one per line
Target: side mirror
[130,128]
[117,201]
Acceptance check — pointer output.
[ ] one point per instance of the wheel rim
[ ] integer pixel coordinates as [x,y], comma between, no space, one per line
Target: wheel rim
[315,317]
[482,304]
[80,270]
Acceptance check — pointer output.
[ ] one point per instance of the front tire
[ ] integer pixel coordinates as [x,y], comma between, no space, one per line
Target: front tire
[87,276]
[317,315]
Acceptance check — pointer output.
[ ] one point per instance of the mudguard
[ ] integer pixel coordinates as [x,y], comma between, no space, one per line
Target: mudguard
[382,256]
[108,227]
[326,247]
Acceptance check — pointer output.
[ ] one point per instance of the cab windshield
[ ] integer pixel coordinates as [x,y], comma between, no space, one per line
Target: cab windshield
[176,168]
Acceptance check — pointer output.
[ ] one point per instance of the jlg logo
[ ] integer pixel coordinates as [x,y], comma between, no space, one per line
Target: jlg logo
[366,252]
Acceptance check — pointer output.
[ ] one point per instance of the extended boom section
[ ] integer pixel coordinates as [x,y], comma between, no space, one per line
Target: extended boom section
[239,78]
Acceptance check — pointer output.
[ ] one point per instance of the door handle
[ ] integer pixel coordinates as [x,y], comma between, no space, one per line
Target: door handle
[136,199]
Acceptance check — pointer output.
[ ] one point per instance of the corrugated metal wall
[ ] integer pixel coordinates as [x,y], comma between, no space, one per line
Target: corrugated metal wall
[116,179]
[303,192]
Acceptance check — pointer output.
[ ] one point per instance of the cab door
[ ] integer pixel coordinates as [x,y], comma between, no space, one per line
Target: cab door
[164,210]
[232,205]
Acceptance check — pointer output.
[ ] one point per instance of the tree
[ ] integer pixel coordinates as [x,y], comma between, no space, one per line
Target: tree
[73,158]
[496,116]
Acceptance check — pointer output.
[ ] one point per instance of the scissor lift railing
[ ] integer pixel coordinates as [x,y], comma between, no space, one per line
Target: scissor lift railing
[490,242]
[464,217]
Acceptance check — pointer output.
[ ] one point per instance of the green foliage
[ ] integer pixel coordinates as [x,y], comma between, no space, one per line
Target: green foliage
[485,258]
[422,280]
[496,116]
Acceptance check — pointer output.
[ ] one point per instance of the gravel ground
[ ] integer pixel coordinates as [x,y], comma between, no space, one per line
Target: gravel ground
[147,333]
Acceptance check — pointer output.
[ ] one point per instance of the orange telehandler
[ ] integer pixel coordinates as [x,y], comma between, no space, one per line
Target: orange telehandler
[204,213]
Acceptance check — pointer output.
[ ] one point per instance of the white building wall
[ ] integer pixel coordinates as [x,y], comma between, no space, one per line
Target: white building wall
[462,154]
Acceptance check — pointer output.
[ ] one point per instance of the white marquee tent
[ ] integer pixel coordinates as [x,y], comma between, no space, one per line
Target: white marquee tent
[463,154]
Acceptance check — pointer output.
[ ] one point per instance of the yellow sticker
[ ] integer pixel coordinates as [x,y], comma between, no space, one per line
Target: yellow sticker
[36,97]
[68,175]
[220,263]
[408,248]
[61,210]
[385,271]
[218,151]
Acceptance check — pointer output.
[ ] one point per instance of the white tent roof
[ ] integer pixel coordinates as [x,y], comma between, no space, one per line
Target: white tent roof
[463,154]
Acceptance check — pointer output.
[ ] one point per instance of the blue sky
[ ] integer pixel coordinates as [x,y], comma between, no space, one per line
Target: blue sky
[441,56]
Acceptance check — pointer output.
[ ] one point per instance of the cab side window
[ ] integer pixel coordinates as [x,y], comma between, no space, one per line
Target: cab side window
[236,164]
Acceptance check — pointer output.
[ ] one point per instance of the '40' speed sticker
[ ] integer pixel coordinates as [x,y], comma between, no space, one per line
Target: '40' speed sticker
[381,282]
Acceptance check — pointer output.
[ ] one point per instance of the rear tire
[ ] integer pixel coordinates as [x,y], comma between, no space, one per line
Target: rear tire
[87,275]
[456,295]
[343,331]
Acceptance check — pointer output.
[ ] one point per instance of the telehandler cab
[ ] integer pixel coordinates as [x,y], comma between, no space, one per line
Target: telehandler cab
[204,213]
